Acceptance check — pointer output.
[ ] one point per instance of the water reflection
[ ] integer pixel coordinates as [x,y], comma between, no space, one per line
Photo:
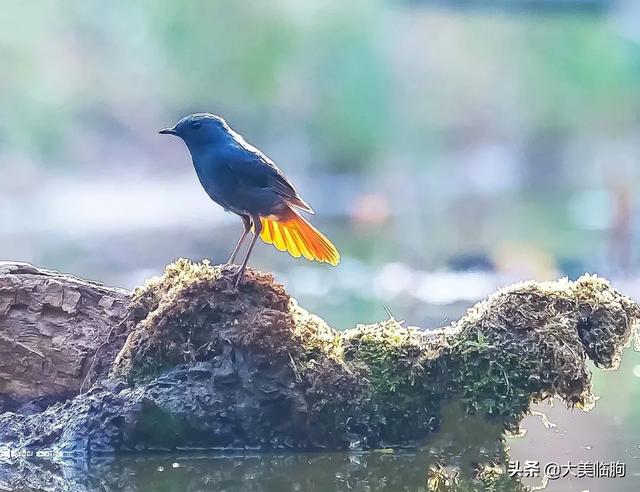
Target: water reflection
[465,443]
[308,472]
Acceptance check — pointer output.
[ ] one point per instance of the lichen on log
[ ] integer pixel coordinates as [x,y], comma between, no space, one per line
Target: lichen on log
[206,366]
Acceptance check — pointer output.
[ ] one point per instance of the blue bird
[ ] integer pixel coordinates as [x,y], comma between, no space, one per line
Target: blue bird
[245,181]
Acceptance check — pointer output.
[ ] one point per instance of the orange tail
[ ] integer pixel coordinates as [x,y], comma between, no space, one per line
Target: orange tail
[299,238]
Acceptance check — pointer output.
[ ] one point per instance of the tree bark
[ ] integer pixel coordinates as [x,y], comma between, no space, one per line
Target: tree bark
[51,325]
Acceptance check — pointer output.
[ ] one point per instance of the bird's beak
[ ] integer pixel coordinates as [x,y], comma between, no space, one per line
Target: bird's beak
[168,131]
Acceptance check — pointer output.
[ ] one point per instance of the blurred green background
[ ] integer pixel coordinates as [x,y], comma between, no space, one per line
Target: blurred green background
[426,137]
[449,147]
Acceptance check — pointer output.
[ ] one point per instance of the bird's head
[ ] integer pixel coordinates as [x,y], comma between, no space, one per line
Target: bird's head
[199,129]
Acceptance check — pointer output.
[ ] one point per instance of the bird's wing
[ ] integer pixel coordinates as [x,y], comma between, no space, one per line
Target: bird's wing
[255,169]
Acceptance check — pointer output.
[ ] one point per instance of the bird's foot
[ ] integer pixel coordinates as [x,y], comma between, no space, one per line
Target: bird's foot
[231,283]
[233,275]
[238,279]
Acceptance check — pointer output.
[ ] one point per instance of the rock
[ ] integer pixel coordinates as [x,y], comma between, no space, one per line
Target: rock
[205,366]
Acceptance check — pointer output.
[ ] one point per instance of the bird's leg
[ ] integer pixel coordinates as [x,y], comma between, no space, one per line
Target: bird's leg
[246,221]
[257,229]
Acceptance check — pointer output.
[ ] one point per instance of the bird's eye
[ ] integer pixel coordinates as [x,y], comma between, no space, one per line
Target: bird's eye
[195,125]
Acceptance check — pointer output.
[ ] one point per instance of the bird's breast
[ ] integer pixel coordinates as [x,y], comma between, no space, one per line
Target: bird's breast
[215,179]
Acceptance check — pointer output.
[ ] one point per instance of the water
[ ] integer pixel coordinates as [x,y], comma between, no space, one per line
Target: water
[384,470]
[307,472]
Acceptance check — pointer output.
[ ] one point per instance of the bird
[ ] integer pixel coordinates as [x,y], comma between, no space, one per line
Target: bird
[243,180]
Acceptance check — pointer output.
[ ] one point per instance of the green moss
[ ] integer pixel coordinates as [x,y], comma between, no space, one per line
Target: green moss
[171,286]
[386,384]
[385,348]
[188,314]
[317,337]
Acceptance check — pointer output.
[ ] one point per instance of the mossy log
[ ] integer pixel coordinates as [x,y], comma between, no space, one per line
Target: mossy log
[206,366]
